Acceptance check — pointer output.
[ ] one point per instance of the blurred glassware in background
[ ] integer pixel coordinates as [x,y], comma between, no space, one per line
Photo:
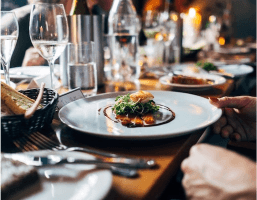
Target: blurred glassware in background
[153,51]
[9,36]
[48,29]
[122,40]
[82,70]
[168,24]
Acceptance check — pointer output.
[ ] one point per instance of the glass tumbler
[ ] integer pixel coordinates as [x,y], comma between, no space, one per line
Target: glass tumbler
[82,70]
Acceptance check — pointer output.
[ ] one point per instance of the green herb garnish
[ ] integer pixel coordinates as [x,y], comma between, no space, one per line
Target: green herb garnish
[124,105]
[207,66]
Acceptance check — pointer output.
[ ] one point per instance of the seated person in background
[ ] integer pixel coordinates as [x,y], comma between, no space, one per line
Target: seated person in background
[214,173]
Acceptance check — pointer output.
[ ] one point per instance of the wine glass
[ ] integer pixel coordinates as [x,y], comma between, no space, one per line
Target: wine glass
[48,30]
[168,25]
[151,25]
[9,36]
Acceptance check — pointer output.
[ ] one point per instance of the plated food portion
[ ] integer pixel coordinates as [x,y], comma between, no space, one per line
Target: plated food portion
[95,116]
[136,109]
[192,81]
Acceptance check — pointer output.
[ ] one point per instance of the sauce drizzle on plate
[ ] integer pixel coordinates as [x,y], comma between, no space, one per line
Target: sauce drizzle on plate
[163,116]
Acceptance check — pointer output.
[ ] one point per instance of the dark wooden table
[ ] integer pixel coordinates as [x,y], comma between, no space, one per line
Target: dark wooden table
[168,153]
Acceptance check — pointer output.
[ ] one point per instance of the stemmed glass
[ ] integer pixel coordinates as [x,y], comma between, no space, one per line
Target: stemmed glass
[48,30]
[167,21]
[9,36]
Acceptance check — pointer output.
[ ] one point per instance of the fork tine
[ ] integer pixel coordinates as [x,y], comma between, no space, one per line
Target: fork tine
[24,145]
[43,137]
[40,143]
[19,146]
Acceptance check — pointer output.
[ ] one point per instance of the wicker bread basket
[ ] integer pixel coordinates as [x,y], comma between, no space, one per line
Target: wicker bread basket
[15,125]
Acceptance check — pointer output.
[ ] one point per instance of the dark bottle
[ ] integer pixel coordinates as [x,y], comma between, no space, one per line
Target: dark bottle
[79,7]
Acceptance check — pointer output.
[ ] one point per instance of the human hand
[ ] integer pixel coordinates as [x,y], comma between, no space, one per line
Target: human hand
[215,173]
[32,58]
[238,121]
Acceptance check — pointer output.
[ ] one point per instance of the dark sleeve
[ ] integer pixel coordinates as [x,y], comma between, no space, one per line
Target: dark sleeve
[23,42]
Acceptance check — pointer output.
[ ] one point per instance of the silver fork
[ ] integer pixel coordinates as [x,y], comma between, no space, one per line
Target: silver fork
[25,145]
[44,142]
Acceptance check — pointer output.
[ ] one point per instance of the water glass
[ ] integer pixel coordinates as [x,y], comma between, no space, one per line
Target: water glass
[9,35]
[82,70]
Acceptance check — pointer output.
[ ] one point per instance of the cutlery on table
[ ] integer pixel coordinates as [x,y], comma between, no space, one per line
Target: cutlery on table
[37,141]
[49,160]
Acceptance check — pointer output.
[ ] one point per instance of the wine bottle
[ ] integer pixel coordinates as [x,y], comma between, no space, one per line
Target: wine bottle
[123,39]
[79,7]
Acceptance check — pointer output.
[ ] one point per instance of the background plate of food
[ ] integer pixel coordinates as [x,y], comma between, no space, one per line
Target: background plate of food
[173,113]
[192,81]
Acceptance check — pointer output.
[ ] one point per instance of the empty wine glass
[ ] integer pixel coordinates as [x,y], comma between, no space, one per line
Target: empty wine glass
[48,31]
[9,36]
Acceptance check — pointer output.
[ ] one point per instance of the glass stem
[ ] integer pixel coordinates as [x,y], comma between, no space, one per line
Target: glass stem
[51,65]
[6,67]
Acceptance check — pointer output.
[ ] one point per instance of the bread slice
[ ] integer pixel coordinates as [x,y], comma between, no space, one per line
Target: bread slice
[17,102]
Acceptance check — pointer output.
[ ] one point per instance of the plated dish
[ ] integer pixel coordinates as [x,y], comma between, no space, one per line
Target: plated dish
[192,113]
[192,81]
[69,181]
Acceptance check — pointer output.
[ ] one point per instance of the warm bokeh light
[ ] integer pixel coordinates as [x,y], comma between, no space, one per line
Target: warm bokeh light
[221,40]
[174,17]
[192,12]
[158,37]
[153,5]
[212,18]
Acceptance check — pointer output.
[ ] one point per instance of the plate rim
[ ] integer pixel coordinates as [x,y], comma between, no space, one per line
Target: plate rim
[137,137]
[242,74]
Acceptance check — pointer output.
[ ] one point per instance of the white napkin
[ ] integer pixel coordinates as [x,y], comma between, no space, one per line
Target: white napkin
[36,82]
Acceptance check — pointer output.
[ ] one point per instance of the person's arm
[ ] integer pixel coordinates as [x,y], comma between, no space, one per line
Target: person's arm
[214,173]
[239,117]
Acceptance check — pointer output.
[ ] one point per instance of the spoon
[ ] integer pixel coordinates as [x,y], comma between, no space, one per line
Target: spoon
[30,111]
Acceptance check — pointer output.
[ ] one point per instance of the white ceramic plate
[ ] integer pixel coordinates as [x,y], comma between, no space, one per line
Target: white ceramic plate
[191,113]
[218,80]
[237,70]
[28,72]
[69,181]
[12,84]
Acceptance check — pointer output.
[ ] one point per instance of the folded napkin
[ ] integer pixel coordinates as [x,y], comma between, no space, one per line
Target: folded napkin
[36,82]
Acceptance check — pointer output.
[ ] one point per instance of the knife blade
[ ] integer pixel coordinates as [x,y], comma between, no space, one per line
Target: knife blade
[50,160]
[59,160]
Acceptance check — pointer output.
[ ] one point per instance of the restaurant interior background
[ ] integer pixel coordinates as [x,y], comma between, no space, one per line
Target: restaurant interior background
[207,26]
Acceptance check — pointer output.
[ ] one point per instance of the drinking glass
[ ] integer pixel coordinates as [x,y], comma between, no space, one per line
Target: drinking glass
[167,22]
[48,31]
[9,36]
[154,46]
[82,70]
